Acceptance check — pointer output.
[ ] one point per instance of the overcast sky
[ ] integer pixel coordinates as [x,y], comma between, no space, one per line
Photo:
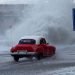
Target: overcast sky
[18,2]
[21,1]
[73,1]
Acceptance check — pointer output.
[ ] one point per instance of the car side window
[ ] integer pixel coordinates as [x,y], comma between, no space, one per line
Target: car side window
[42,41]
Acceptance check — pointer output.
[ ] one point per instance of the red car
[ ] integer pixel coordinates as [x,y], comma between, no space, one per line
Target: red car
[32,46]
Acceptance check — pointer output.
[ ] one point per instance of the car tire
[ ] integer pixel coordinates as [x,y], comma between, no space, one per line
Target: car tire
[54,52]
[39,56]
[16,58]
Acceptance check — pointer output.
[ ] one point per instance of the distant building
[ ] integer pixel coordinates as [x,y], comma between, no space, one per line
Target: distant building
[74,19]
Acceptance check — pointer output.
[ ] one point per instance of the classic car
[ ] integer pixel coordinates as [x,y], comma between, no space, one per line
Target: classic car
[32,46]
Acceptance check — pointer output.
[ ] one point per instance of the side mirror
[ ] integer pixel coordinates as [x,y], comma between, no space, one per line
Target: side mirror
[47,43]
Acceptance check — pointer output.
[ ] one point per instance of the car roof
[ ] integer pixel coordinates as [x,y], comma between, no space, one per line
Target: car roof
[37,38]
[32,37]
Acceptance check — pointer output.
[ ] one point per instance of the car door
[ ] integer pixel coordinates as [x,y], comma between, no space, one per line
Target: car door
[49,51]
[43,44]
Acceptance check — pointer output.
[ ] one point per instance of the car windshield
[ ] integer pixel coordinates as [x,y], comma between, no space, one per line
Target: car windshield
[27,41]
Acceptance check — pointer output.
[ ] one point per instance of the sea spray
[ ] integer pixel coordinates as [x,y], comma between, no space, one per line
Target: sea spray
[51,18]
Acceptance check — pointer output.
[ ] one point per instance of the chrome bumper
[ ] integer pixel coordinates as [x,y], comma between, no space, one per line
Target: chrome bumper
[23,53]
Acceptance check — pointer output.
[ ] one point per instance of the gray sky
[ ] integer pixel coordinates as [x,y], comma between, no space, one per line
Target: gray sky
[22,1]
[18,1]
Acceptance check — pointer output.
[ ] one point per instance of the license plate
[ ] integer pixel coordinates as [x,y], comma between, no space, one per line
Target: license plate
[22,52]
